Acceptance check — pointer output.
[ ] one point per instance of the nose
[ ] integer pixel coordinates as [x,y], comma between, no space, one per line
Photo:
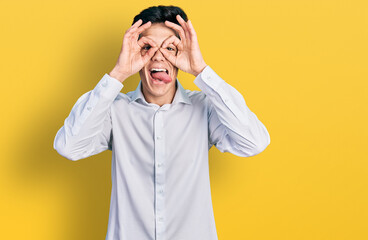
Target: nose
[158,56]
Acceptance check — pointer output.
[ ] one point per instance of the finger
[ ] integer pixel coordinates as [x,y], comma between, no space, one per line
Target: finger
[143,27]
[171,40]
[135,25]
[168,56]
[139,30]
[177,28]
[183,24]
[192,31]
[145,40]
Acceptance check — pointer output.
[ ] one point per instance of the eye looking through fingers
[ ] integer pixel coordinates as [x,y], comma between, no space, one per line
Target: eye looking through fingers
[146,47]
[171,48]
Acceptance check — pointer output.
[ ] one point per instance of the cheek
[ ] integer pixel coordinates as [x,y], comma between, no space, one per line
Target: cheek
[142,73]
[175,71]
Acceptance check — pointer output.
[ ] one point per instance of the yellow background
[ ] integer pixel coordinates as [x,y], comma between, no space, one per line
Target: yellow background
[301,66]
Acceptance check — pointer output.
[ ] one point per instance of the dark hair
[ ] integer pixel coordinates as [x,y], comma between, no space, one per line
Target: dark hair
[159,14]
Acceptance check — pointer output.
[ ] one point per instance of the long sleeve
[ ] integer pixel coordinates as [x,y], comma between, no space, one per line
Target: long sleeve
[87,129]
[233,127]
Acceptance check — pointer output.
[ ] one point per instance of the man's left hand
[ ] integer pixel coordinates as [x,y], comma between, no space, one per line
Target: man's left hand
[188,58]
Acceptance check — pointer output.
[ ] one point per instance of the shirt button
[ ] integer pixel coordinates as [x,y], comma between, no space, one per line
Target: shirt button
[159,165]
[161,219]
[161,191]
[89,108]
[158,137]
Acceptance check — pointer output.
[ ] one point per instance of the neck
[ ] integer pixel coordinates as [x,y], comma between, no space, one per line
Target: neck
[159,100]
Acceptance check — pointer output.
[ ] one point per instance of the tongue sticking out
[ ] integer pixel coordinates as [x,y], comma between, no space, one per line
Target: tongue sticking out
[162,76]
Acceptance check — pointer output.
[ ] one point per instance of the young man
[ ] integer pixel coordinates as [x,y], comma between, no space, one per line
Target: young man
[160,133]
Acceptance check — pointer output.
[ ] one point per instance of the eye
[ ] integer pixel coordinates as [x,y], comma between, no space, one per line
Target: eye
[170,49]
[147,47]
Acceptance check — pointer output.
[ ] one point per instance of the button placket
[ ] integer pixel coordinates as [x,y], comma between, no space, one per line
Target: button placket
[159,175]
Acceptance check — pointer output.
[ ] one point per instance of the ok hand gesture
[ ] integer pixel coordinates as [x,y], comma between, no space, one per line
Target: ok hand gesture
[188,58]
[131,60]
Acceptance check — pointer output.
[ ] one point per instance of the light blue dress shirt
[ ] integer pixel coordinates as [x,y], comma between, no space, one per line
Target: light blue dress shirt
[160,172]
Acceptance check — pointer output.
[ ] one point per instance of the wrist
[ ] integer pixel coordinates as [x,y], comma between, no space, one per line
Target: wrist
[200,69]
[118,74]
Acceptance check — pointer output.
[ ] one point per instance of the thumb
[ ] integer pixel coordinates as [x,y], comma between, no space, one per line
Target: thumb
[171,58]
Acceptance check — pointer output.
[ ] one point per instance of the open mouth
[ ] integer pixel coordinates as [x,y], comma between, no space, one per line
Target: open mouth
[160,75]
[154,70]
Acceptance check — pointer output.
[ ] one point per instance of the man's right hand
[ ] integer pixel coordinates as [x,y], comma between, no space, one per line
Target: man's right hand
[131,60]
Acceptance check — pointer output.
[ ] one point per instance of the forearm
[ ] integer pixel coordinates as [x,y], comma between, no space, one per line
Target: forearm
[86,129]
[242,125]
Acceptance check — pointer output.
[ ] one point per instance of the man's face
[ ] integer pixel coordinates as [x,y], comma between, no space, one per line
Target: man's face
[153,87]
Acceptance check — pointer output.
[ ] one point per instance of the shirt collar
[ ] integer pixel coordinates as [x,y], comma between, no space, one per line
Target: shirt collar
[180,94]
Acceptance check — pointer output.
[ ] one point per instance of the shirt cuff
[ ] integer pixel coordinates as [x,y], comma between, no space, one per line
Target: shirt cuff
[208,77]
[109,87]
